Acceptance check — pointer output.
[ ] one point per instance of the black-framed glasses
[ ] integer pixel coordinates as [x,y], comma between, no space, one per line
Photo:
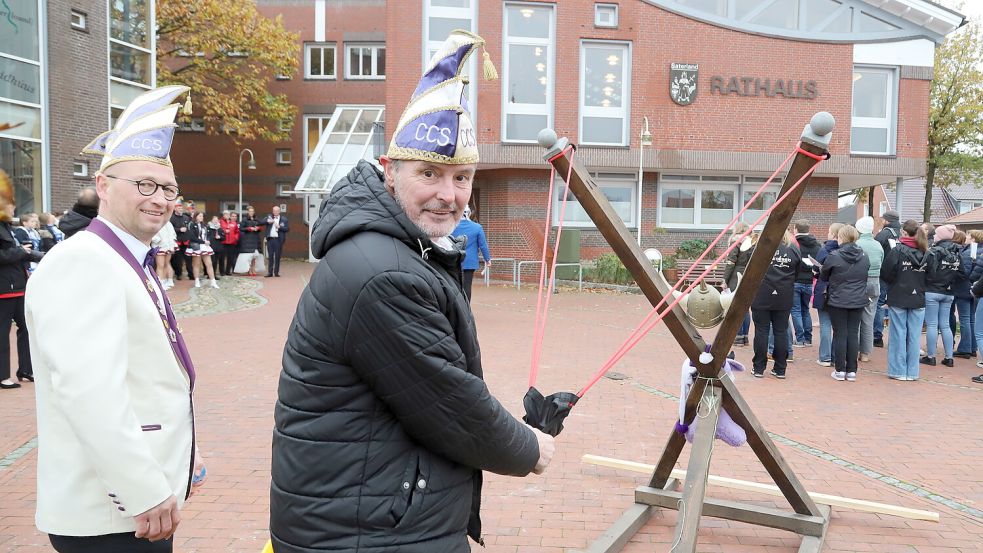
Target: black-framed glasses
[148,187]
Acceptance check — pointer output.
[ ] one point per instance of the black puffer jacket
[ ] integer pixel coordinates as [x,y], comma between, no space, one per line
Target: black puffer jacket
[904,270]
[250,240]
[383,422]
[13,261]
[889,236]
[775,292]
[943,267]
[737,261]
[845,269]
[808,246]
[73,222]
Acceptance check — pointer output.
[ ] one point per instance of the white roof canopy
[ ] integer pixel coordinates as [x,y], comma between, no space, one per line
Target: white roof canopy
[352,134]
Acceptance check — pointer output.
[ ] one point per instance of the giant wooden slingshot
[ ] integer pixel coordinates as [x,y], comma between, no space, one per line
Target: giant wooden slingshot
[808,519]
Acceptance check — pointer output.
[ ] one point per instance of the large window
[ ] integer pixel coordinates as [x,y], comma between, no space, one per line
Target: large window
[605,70]
[440,18]
[710,201]
[314,125]
[365,61]
[621,190]
[21,101]
[527,59]
[319,61]
[131,54]
[874,111]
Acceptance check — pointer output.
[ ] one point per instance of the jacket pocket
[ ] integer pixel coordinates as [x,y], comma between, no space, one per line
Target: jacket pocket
[407,488]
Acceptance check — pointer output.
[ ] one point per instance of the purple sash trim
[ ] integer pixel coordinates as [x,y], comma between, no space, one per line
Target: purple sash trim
[100,229]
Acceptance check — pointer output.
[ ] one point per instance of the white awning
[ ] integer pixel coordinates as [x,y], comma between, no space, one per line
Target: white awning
[352,134]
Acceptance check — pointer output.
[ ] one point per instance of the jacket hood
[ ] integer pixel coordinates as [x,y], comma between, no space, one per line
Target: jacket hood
[831,245]
[360,202]
[851,253]
[73,222]
[807,241]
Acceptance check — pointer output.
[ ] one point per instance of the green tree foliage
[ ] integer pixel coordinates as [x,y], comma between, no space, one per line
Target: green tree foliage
[228,54]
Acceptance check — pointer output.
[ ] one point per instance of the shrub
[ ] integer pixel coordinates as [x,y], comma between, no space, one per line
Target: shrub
[608,269]
[691,249]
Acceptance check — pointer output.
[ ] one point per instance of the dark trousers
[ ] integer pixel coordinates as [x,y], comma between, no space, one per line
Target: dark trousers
[846,337]
[274,250]
[109,543]
[231,254]
[218,259]
[765,322]
[179,260]
[468,278]
[12,310]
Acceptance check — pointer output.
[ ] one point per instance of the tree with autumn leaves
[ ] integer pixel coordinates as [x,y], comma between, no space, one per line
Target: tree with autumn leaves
[955,134]
[228,53]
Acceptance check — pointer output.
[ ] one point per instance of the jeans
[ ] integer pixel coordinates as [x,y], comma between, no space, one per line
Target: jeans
[881,311]
[846,337]
[766,321]
[745,326]
[937,308]
[967,327]
[978,327]
[869,314]
[801,318]
[825,336]
[771,340]
[906,332]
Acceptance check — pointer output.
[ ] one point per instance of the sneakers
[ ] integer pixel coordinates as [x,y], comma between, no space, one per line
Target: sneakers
[850,377]
[198,285]
[948,362]
[214,284]
[777,374]
[978,379]
[798,344]
[864,357]
[926,360]
[758,374]
[979,364]
[878,342]
[740,341]
[963,355]
[837,375]
[822,363]
[790,359]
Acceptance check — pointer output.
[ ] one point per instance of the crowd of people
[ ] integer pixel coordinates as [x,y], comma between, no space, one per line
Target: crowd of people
[923,279]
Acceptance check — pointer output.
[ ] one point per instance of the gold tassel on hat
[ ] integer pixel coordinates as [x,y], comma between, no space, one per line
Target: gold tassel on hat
[488,68]
[187,105]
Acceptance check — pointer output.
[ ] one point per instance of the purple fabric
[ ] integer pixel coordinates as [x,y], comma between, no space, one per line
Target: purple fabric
[445,69]
[180,349]
[433,132]
[727,430]
[153,143]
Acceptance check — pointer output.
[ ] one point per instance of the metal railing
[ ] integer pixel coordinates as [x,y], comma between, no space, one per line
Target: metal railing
[488,268]
[578,265]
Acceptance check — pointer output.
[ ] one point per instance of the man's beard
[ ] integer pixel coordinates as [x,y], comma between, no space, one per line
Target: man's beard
[431,230]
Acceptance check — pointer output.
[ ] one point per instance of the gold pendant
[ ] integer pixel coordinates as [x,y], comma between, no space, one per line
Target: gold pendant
[150,287]
[172,335]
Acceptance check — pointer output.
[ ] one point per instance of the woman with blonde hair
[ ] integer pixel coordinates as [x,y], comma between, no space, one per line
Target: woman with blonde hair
[819,299]
[772,307]
[845,271]
[735,266]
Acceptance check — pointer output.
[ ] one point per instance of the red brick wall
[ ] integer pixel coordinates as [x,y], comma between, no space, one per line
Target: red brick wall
[208,166]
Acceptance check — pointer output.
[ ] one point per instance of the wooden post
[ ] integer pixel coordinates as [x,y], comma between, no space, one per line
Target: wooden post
[695,486]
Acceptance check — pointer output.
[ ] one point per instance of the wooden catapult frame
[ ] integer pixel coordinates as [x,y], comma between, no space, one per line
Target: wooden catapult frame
[808,519]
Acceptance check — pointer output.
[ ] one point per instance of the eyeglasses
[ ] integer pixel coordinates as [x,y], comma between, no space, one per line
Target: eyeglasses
[147,187]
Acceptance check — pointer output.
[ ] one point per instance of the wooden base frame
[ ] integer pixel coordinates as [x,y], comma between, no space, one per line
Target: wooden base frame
[710,389]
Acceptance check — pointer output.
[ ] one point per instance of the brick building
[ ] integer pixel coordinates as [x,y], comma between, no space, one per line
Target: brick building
[595,71]
[67,68]
[339,91]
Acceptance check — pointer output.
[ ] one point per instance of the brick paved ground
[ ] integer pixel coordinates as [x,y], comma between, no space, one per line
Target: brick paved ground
[912,444]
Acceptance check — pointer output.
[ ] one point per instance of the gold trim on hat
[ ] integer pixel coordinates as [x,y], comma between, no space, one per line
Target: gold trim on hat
[412,154]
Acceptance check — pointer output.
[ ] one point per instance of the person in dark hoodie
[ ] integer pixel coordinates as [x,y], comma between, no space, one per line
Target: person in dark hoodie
[943,270]
[772,305]
[888,238]
[972,269]
[383,423]
[819,299]
[86,209]
[735,266]
[845,271]
[181,222]
[801,317]
[904,270]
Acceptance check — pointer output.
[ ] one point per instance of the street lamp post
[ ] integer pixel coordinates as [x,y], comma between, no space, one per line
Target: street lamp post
[645,139]
[252,165]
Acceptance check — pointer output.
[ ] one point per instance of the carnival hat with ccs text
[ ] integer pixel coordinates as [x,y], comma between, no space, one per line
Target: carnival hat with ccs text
[436,125]
[144,131]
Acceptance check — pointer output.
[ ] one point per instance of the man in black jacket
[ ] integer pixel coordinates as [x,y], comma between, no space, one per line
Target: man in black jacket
[888,237]
[82,213]
[384,423]
[181,222]
[801,316]
[277,228]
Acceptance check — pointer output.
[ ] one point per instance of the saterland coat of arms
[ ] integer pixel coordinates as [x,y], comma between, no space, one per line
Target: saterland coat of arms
[682,82]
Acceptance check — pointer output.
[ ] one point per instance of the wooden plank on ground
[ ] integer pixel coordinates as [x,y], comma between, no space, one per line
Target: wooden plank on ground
[769,489]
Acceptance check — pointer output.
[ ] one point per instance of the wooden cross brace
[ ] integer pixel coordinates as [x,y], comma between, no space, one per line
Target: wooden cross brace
[808,518]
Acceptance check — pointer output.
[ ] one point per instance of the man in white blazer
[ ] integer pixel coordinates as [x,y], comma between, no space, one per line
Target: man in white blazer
[114,381]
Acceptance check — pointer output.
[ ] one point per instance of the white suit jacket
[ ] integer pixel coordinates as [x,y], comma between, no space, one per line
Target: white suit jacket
[115,418]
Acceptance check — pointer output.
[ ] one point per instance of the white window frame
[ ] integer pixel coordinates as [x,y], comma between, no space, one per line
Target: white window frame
[152,28]
[284,157]
[323,119]
[889,122]
[550,45]
[731,184]
[283,190]
[285,125]
[602,180]
[471,14]
[623,112]
[79,20]
[750,184]
[373,74]
[599,10]
[80,169]
[323,46]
